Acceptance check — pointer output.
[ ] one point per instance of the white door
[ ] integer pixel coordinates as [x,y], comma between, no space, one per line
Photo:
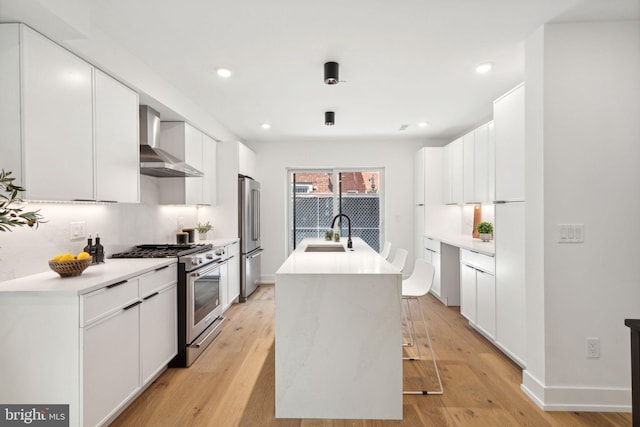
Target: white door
[508,121]
[468,295]
[158,331]
[486,302]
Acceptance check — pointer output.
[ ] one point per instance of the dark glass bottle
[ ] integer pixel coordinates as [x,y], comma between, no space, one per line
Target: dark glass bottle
[99,256]
[87,248]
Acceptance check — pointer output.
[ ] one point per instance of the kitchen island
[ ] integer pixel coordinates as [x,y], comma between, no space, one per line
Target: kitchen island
[338,333]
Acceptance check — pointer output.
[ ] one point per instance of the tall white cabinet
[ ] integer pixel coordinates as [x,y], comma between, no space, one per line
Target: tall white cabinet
[509,236]
[55,110]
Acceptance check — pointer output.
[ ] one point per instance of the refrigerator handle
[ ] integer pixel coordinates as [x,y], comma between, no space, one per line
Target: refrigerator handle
[255,215]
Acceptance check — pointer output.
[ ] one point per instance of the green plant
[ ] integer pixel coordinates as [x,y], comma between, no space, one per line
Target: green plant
[328,234]
[485,228]
[203,228]
[10,215]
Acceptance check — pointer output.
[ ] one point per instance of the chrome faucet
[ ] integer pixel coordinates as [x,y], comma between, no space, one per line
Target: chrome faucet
[349,243]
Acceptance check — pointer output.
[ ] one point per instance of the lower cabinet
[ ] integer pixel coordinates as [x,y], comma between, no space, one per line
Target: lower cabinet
[478,291]
[110,364]
[230,276]
[446,261]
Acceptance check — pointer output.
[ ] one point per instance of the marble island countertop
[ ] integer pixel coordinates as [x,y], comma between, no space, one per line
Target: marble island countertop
[361,259]
[338,334]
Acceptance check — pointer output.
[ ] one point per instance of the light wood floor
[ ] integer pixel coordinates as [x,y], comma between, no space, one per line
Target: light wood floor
[232,383]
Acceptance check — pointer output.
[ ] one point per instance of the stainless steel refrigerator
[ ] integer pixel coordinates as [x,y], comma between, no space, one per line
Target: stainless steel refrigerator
[249,231]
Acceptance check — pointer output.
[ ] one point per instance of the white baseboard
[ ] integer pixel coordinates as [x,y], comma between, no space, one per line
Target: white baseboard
[566,398]
[267,279]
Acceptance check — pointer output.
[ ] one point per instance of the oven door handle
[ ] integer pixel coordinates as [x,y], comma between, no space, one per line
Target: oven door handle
[206,270]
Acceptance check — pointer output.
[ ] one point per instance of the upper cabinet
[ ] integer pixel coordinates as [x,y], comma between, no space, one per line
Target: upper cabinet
[508,119]
[116,141]
[197,150]
[468,167]
[54,117]
[453,167]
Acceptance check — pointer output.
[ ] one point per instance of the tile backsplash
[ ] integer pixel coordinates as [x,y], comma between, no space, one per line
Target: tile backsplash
[25,251]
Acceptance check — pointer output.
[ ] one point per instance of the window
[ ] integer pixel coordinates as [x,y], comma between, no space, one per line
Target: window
[321,194]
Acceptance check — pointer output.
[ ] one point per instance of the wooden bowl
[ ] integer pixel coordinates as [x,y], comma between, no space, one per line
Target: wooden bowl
[70,268]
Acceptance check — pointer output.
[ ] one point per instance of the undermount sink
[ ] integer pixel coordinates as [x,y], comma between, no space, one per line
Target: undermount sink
[324,248]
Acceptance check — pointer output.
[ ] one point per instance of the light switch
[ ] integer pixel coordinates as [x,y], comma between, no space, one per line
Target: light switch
[571,233]
[78,230]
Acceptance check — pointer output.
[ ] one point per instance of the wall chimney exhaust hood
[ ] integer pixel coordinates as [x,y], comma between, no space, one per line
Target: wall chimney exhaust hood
[154,161]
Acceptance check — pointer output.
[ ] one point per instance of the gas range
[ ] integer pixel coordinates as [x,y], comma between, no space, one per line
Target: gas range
[169,250]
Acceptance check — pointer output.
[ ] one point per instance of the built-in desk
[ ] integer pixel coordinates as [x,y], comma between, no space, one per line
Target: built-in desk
[443,251]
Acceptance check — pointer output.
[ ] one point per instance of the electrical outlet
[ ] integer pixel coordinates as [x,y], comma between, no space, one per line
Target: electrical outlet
[593,347]
[180,222]
[78,230]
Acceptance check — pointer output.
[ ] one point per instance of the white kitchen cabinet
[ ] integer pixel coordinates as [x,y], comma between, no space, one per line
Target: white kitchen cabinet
[477,165]
[453,172]
[233,271]
[57,121]
[432,256]
[197,150]
[246,161]
[478,294]
[158,321]
[56,110]
[510,279]
[210,179]
[110,362]
[468,292]
[508,119]
[468,168]
[116,141]
[457,171]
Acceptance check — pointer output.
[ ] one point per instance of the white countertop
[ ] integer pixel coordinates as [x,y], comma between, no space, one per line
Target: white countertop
[94,277]
[223,241]
[361,260]
[465,242]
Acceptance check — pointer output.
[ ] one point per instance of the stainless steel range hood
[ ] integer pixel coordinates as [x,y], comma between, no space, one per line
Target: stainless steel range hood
[154,161]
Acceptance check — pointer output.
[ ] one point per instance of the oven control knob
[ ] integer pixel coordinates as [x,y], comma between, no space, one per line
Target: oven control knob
[209,256]
[195,260]
[220,251]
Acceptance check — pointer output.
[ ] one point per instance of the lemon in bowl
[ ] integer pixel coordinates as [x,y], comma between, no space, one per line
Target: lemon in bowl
[67,265]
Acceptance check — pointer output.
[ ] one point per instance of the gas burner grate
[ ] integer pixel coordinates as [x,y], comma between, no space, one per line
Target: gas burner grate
[162,250]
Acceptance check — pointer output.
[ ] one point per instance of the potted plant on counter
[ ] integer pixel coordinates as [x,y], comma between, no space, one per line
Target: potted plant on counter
[203,229]
[485,229]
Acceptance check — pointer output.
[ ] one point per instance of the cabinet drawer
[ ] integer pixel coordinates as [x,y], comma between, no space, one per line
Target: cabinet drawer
[158,279]
[100,303]
[480,261]
[431,244]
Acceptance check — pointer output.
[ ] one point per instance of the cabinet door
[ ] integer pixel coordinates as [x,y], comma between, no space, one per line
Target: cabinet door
[510,277]
[57,121]
[224,285]
[486,302]
[457,172]
[435,260]
[110,364]
[158,331]
[481,164]
[233,274]
[508,119]
[193,157]
[116,138]
[468,296]
[447,184]
[210,179]
[468,168]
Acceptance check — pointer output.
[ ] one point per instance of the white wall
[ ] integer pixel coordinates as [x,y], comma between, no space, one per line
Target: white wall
[275,158]
[590,96]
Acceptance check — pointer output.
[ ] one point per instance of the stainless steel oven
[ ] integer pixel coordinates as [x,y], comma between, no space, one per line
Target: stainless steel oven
[199,309]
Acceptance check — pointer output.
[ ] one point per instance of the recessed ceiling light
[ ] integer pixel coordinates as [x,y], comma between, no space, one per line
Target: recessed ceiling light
[223,72]
[423,124]
[483,68]
[265,126]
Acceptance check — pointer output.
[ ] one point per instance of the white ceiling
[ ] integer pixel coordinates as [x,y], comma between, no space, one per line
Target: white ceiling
[402,61]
